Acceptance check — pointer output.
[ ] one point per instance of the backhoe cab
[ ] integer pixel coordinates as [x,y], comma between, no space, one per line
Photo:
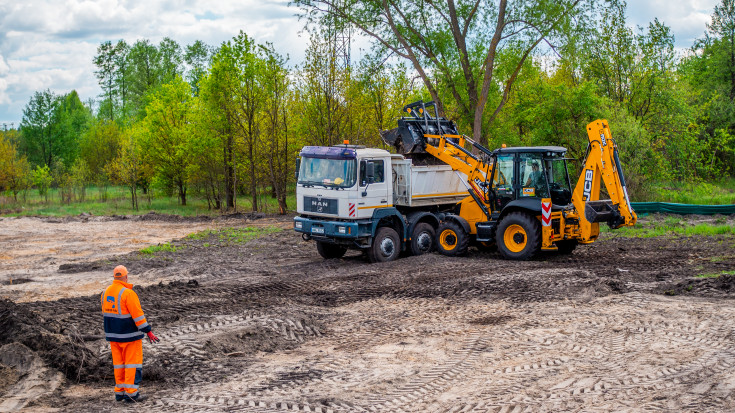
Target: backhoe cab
[519,198]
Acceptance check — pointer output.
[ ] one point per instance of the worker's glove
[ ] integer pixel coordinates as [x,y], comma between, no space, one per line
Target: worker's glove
[152,338]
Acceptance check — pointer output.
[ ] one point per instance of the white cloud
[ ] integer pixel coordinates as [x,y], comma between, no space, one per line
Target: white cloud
[51,44]
[686,18]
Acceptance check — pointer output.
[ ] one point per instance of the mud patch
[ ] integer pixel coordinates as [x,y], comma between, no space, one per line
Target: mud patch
[492,320]
[16,281]
[61,347]
[33,379]
[247,342]
[8,377]
[723,285]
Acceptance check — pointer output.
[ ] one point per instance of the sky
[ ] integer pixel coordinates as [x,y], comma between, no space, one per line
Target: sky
[50,44]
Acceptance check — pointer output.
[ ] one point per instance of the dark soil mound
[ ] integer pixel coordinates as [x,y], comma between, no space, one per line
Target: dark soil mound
[61,347]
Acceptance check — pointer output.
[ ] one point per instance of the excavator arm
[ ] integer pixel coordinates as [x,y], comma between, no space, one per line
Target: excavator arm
[602,166]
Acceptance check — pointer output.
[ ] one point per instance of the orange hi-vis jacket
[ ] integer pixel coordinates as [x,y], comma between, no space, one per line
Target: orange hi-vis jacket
[124,319]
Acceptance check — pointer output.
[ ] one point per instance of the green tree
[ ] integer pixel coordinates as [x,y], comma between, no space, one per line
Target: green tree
[276,123]
[196,57]
[128,167]
[323,87]
[37,129]
[144,62]
[235,87]
[709,73]
[105,60]
[98,147]
[168,126]
[450,46]
[42,179]
[122,77]
[172,60]
[14,168]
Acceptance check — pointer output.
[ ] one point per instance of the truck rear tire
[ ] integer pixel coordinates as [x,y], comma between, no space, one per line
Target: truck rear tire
[422,239]
[329,251]
[452,240]
[519,236]
[386,245]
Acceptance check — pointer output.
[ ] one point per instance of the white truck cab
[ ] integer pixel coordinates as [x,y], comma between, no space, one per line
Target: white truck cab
[352,197]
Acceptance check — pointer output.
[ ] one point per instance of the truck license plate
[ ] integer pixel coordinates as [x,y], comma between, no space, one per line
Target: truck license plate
[317,230]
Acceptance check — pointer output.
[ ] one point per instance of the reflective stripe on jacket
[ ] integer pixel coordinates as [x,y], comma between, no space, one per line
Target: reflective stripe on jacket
[124,319]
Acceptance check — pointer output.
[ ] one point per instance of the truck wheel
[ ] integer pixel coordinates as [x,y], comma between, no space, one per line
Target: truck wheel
[386,245]
[422,239]
[452,240]
[329,251]
[566,246]
[518,236]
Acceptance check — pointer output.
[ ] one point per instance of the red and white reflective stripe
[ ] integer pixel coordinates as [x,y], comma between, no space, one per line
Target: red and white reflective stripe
[546,213]
[352,210]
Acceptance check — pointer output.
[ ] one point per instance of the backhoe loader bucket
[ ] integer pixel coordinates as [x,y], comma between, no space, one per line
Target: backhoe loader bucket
[408,137]
[603,211]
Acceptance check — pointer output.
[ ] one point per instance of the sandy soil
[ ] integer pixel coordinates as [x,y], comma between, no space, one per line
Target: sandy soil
[620,325]
[32,250]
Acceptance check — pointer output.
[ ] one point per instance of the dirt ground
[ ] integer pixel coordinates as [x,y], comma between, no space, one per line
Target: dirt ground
[265,326]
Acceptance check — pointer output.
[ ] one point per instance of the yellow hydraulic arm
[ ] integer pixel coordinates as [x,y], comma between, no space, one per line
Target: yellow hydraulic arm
[602,165]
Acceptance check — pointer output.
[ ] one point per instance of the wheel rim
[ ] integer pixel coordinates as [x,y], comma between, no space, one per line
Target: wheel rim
[423,241]
[387,247]
[515,238]
[448,239]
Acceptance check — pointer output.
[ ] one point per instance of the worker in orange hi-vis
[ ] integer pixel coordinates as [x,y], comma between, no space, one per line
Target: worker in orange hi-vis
[125,326]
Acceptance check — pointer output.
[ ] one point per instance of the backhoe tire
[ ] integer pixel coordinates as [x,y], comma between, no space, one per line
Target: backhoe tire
[423,239]
[386,245]
[518,236]
[566,246]
[451,239]
[329,251]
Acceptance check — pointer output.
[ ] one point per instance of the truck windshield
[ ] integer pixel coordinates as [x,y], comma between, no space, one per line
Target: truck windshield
[331,173]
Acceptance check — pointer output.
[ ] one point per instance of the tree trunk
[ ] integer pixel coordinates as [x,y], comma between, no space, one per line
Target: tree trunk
[230,172]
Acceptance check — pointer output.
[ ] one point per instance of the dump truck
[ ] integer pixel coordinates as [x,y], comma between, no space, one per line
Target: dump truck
[445,191]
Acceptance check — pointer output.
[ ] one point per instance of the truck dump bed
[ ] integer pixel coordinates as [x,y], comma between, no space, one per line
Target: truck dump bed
[417,186]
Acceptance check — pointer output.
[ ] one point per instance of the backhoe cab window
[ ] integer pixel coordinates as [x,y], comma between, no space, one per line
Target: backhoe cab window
[331,173]
[533,178]
[378,176]
[561,192]
[503,179]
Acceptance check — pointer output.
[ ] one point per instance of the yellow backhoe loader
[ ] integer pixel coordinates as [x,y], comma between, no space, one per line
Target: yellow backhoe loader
[519,198]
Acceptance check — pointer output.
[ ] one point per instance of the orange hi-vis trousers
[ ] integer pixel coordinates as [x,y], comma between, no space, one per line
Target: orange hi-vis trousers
[127,359]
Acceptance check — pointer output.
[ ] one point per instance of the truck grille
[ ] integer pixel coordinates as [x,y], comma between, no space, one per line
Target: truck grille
[321,205]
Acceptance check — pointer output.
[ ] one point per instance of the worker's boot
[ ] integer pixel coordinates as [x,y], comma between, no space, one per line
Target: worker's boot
[139,398]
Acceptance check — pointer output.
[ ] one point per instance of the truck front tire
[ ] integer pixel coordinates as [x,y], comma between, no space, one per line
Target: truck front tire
[452,240]
[519,236]
[422,239]
[386,245]
[329,251]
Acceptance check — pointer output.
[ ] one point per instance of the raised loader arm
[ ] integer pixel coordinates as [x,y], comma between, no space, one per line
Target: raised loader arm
[601,165]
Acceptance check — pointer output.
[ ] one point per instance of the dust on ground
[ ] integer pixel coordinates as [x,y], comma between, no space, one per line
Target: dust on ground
[622,324]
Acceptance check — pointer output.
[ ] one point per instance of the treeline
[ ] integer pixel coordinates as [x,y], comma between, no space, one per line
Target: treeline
[224,121]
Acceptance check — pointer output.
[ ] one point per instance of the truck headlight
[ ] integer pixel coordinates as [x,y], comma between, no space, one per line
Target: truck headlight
[342,230]
[298,225]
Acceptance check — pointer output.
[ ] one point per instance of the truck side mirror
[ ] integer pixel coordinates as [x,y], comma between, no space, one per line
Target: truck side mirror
[296,171]
[370,172]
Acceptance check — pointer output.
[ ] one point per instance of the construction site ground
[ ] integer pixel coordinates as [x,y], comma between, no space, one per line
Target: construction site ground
[267,325]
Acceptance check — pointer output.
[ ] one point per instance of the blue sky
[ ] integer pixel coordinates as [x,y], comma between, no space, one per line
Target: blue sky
[51,44]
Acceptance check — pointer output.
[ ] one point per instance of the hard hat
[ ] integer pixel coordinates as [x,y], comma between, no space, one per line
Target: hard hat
[120,271]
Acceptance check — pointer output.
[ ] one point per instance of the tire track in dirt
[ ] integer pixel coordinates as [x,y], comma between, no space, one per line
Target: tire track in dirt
[269,327]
